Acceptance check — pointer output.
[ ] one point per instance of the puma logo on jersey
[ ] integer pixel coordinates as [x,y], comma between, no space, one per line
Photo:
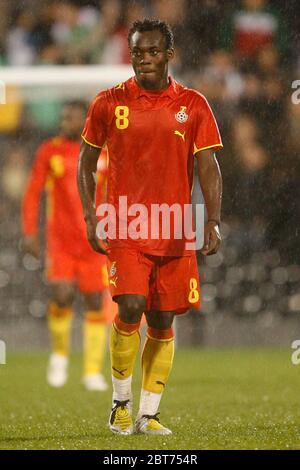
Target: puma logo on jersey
[182,135]
[113,282]
[121,85]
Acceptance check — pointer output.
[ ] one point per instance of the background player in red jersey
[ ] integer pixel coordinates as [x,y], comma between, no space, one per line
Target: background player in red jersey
[153,127]
[70,260]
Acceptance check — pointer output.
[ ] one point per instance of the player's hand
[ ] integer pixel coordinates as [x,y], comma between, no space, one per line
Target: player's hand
[91,229]
[31,245]
[212,239]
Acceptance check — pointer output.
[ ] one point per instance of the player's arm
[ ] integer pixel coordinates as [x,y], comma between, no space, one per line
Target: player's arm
[86,178]
[31,202]
[211,184]
[93,139]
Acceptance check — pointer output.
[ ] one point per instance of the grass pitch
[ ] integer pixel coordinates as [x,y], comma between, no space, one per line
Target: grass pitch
[239,399]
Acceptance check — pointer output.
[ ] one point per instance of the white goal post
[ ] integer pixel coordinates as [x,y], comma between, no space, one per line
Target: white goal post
[63,82]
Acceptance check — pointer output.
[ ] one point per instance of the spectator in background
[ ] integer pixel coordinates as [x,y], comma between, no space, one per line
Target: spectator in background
[41,34]
[4,19]
[200,37]
[272,118]
[108,20]
[250,199]
[251,27]
[293,119]
[244,136]
[115,51]
[44,109]
[106,39]
[244,131]
[221,82]
[3,29]
[13,178]
[220,64]
[69,30]
[174,12]
[248,203]
[250,99]
[214,88]
[267,61]
[264,100]
[19,48]
[50,53]
[2,56]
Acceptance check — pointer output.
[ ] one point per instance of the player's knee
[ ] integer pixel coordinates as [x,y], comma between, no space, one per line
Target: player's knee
[93,301]
[160,320]
[131,308]
[63,295]
[63,300]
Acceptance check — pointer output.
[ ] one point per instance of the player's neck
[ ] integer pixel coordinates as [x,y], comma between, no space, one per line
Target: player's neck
[158,86]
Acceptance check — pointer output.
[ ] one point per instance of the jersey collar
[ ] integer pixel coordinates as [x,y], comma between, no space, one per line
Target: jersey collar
[171,91]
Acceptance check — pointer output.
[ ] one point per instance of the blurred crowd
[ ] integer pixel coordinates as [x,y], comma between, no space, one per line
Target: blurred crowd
[242,55]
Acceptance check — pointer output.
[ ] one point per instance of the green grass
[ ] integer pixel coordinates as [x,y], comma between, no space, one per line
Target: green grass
[240,399]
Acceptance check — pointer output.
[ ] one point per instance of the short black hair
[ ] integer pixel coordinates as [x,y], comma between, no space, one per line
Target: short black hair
[153,25]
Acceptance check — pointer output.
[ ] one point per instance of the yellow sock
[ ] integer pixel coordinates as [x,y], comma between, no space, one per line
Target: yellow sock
[94,342]
[157,359]
[124,346]
[59,324]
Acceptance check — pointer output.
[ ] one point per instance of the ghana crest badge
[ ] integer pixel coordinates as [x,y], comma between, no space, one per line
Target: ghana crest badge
[182,116]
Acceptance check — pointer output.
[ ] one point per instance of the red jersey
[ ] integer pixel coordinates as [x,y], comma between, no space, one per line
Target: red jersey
[151,138]
[55,170]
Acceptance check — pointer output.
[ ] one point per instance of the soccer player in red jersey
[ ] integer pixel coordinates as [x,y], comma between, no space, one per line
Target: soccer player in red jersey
[154,127]
[69,258]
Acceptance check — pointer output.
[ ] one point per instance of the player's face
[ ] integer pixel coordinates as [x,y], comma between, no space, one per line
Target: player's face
[72,122]
[150,57]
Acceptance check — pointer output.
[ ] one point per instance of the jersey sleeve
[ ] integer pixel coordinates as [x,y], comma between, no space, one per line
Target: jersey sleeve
[95,129]
[207,133]
[35,186]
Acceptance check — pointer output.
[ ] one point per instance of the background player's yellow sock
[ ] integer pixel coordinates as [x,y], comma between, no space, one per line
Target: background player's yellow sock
[59,324]
[94,342]
[157,360]
[124,346]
